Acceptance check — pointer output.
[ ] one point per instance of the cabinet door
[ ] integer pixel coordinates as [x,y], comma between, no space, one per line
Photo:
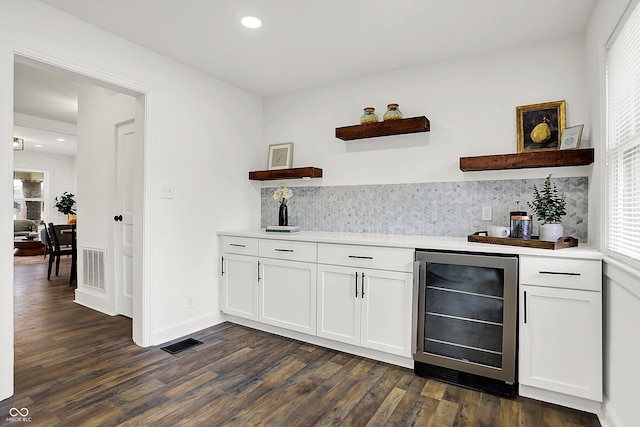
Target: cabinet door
[240,289]
[386,311]
[287,292]
[338,305]
[560,340]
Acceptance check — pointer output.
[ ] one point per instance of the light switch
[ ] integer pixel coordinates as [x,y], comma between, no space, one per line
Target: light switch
[166,191]
[486,213]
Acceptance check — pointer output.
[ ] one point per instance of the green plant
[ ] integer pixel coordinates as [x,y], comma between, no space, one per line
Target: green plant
[65,203]
[549,205]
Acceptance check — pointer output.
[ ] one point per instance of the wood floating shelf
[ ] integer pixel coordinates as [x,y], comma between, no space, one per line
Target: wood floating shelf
[294,173]
[535,159]
[386,128]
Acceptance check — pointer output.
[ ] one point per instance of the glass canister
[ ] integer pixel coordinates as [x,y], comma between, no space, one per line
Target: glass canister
[369,116]
[521,226]
[392,113]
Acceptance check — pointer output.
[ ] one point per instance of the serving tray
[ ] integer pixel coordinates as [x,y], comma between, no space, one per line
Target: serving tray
[534,242]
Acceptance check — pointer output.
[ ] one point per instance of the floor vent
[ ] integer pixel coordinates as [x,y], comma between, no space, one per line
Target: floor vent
[181,346]
[93,268]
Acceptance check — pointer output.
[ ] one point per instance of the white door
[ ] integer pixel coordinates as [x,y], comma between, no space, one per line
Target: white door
[338,304]
[287,292]
[560,340]
[123,217]
[386,311]
[240,286]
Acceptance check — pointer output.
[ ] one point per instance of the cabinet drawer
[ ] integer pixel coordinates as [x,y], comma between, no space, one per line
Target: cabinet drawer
[396,259]
[283,249]
[240,245]
[561,273]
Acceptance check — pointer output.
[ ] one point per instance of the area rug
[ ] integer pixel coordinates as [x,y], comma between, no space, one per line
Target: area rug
[26,260]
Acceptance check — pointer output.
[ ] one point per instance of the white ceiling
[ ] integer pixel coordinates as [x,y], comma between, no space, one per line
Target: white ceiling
[310,43]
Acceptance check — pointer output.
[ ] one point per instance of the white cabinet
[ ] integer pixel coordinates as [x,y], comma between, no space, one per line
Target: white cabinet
[367,307]
[269,281]
[287,287]
[239,292]
[561,326]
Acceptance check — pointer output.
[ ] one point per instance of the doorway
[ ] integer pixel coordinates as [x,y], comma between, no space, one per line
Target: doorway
[140,110]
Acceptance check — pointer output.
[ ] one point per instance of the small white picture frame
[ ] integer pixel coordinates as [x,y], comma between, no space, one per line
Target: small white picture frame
[571,137]
[280,156]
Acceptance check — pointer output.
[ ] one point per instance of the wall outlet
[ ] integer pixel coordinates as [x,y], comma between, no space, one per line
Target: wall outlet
[486,213]
[166,191]
[190,301]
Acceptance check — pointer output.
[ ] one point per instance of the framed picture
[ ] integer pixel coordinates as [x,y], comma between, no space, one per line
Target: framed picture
[571,138]
[280,156]
[539,126]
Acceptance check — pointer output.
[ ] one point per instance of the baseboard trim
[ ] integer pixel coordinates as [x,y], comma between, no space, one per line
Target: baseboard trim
[610,416]
[186,327]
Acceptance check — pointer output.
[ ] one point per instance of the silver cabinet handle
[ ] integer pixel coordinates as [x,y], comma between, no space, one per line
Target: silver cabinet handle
[360,257]
[283,250]
[560,273]
[259,271]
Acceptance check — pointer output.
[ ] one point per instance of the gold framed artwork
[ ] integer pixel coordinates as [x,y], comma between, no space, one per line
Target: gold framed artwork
[280,156]
[571,138]
[539,126]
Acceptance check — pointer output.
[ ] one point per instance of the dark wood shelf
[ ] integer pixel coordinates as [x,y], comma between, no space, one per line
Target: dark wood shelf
[390,127]
[535,159]
[267,175]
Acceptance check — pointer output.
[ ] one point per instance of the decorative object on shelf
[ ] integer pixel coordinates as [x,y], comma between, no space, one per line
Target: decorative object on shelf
[282,195]
[539,126]
[549,206]
[571,138]
[521,225]
[18,144]
[392,113]
[369,116]
[64,204]
[280,156]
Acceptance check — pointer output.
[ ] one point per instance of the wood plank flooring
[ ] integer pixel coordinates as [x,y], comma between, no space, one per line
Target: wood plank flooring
[78,367]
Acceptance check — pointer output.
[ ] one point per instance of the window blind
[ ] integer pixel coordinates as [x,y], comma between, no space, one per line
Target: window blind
[623,139]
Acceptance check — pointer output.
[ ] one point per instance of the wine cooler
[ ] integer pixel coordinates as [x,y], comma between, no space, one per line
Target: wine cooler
[466,319]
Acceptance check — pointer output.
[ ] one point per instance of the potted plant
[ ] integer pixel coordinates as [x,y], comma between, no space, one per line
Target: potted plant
[65,204]
[549,206]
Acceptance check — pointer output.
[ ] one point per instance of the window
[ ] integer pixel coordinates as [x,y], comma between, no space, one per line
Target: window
[623,139]
[28,195]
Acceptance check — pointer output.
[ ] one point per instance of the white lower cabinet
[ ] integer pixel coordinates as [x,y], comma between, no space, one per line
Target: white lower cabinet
[561,326]
[364,307]
[287,294]
[239,286]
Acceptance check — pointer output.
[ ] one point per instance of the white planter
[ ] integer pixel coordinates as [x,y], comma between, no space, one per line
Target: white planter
[550,232]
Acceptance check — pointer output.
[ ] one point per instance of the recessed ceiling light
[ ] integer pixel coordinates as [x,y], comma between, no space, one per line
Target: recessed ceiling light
[251,22]
[60,139]
[38,145]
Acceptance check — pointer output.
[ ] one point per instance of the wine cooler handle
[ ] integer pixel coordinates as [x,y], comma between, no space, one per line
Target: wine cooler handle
[414,311]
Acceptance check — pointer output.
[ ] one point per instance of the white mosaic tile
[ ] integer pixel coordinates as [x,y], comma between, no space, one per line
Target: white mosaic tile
[435,209]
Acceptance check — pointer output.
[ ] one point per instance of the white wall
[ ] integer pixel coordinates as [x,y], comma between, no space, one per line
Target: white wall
[197,138]
[469,101]
[60,175]
[99,110]
[621,282]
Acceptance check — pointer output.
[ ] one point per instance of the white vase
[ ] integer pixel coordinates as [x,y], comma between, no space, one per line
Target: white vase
[550,232]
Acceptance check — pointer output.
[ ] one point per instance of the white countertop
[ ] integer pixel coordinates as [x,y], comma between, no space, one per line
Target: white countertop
[416,242]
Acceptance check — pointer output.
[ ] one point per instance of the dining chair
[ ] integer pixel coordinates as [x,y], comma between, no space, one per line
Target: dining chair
[56,251]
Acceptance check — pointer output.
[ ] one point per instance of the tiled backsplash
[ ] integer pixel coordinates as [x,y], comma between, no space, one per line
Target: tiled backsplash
[433,209]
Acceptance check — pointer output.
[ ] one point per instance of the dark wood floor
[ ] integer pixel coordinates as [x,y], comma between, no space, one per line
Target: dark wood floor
[77,367]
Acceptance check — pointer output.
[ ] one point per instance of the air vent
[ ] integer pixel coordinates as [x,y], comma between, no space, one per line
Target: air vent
[94,268]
